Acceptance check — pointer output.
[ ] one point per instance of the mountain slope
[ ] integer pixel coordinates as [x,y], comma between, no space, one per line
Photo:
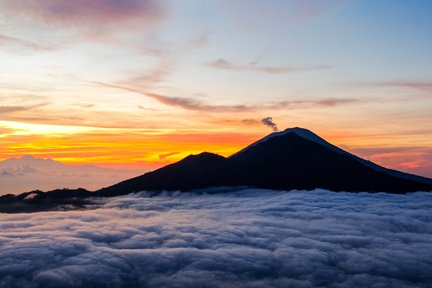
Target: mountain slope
[293,159]
[193,172]
[309,135]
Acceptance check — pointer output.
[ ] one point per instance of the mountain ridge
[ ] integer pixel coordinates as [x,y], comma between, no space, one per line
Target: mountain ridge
[258,164]
[309,135]
[294,159]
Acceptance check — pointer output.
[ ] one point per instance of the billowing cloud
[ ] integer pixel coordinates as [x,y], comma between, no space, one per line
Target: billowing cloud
[268,121]
[248,238]
[255,67]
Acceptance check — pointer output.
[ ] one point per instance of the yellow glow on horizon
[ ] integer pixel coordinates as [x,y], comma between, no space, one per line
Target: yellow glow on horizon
[46,129]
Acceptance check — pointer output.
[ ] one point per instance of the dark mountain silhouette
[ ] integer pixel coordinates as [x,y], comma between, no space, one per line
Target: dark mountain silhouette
[293,159]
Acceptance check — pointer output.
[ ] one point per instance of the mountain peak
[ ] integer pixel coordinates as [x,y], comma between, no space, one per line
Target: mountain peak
[33,158]
[301,132]
[27,157]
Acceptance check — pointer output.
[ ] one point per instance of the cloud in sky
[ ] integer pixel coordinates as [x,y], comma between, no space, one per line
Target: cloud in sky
[85,12]
[10,109]
[166,155]
[5,130]
[409,84]
[267,239]
[14,43]
[255,67]
[410,159]
[268,121]
[198,105]
[60,21]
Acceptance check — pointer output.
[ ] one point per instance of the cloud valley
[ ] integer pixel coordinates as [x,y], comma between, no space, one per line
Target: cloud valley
[246,238]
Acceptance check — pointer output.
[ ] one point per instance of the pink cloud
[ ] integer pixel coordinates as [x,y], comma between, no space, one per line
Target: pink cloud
[85,14]
[411,159]
[255,67]
[410,84]
[336,101]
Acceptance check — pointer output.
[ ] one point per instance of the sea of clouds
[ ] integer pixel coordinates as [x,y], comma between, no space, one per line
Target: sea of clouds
[246,238]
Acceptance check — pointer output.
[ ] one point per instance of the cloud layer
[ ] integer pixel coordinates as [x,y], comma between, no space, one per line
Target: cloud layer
[249,238]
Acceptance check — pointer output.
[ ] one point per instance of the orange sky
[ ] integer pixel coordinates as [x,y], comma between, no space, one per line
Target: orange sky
[164,79]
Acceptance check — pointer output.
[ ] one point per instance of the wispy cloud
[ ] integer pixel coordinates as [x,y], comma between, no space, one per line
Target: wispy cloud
[166,155]
[5,131]
[411,159]
[409,84]
[198,105]
[10,109]
[335,101]
[255,67]
[14,43]
[250,121]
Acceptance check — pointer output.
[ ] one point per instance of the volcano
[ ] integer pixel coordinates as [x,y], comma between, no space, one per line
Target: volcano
[292,159]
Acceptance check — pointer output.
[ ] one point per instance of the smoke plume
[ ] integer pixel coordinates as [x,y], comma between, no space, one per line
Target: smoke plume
[268,121]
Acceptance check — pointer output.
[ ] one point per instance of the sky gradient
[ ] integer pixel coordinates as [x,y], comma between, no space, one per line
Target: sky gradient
[143,83]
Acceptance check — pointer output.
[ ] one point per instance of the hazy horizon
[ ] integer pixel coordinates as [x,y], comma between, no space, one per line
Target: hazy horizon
[28,173]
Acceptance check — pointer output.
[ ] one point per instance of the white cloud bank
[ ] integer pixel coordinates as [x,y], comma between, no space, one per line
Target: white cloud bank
[249,238]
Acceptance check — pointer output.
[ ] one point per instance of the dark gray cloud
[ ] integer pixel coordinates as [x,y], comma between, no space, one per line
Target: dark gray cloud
[247,238]
[268,121]
[255,67]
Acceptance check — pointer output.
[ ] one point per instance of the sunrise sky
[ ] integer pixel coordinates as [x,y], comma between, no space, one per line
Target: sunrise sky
[143,83]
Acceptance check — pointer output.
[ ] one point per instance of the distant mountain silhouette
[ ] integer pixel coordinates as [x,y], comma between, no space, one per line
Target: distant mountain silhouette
[29,173]
[293,159]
